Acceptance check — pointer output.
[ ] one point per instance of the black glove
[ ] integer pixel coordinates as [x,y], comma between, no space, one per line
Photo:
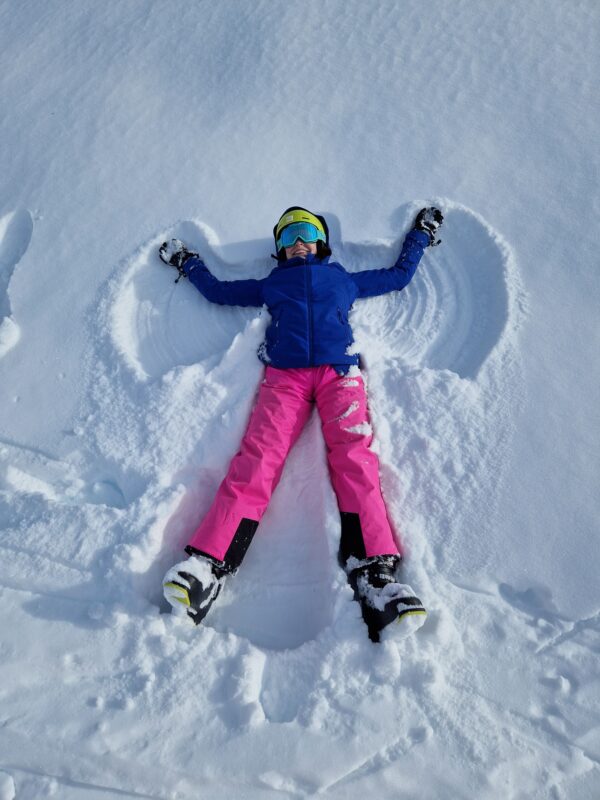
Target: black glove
[429,220]
[175,254]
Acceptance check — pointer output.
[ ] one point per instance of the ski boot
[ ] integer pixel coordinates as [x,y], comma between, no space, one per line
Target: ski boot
[192,586]
[390,609]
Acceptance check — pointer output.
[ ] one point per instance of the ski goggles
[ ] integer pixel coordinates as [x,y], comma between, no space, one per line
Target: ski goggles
[305,231]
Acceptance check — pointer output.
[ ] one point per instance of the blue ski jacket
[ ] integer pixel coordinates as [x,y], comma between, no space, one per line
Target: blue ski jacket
[309,300]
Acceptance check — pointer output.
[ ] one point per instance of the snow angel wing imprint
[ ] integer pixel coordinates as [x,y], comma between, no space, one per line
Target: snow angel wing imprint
[460,305]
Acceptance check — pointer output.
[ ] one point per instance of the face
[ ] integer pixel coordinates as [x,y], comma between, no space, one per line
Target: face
[301,249]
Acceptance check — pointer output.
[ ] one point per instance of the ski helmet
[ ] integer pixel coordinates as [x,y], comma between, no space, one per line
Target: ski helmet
[297,214]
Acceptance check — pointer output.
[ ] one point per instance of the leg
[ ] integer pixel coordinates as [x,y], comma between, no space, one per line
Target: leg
[281,411]
[354,467]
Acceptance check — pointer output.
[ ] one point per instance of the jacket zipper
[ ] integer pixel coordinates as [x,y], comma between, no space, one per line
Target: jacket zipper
[309,307]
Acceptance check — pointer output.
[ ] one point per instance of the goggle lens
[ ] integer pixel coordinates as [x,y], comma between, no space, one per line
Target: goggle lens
[299,230]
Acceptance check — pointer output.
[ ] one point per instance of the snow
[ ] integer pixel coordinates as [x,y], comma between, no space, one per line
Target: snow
[123,397]
[7,787]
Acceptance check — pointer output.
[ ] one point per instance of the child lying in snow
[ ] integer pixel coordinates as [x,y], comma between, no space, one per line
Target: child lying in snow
[309,359]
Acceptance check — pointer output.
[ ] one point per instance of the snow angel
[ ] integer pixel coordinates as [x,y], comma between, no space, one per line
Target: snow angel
[309,360]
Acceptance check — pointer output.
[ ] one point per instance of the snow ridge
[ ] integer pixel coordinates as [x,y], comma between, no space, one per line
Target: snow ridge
[15,234]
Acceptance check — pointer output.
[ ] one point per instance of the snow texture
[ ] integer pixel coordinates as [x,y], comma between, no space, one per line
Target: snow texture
[7,787]
[124,396]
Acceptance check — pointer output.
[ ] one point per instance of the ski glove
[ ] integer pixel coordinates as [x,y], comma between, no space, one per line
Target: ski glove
[175,254]
[429,220]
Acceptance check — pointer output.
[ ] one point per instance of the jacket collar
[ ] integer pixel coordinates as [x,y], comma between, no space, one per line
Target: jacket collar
[297,261]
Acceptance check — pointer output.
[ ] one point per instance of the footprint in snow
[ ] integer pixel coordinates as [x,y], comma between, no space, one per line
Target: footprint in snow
[15,234]
[534,601]
[26,470]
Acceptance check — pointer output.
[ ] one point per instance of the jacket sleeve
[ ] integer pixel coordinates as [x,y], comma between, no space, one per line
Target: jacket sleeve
[371,282]
[226,293]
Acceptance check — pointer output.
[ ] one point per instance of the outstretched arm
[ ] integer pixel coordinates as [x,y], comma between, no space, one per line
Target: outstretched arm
[372,282]
[227,293]
[246,292]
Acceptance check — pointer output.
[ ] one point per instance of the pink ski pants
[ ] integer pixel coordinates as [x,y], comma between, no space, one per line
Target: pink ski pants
[284,404]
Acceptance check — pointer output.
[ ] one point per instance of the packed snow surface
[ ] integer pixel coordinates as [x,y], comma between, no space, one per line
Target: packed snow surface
[124,396]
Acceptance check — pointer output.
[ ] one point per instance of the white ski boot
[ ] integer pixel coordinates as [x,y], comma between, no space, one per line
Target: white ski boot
[391,610]
[192,586]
